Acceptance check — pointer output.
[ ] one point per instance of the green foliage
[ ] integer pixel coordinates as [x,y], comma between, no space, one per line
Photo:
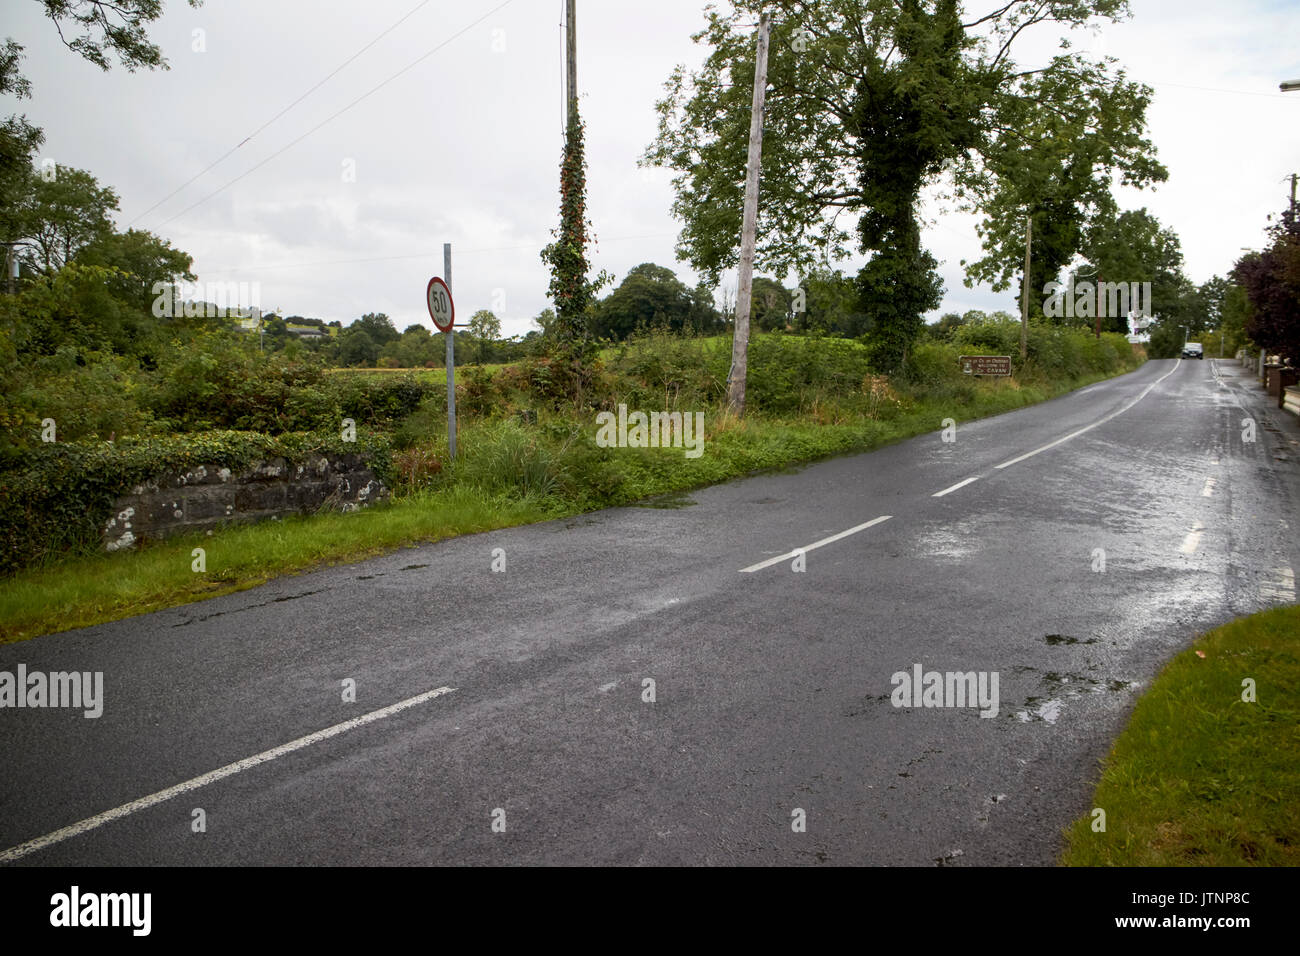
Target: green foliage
[57,497]
[570,289]
[65,212]
[505,459]
[652,296]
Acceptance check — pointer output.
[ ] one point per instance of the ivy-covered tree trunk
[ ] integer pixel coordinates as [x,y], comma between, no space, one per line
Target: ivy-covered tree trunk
[570,289]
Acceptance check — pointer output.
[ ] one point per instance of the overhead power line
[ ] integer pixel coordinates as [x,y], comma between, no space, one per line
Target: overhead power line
[418,255]
[222,158]
[333,116]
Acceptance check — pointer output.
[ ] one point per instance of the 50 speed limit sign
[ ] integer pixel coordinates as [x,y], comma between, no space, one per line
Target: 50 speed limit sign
[441,309]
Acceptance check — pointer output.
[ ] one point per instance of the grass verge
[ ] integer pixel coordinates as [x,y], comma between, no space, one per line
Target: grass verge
[1201,777]
[80,591]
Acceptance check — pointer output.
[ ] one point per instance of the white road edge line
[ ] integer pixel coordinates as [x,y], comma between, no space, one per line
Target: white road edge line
[809,547]
[1100,421]
[90,823]
[960,484]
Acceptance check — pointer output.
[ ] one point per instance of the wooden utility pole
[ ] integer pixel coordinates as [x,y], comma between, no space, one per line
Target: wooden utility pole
[1024,292]
[1293,176]
[744,293]
[1097,311]
[571,47]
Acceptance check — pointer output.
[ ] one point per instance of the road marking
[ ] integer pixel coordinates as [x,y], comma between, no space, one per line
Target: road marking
[90,823]
[1193,539]
[960,484]
[1088,428]
[1280,586]
[1208,490]
[790,555]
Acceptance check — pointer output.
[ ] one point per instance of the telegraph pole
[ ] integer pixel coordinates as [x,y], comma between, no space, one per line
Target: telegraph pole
[1024,292]
[571,47]
[740,344]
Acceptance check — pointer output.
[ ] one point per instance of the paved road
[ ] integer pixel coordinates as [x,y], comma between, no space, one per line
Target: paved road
[772,687]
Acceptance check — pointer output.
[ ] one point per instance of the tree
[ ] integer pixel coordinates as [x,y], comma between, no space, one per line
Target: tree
[1057,165]
[545,321]
[143,259]
[870,100]
[65,212]
[378,327]
[769,305]
[570,289]
[651,296]
[1132,247]
[1271,280]
[357,348]
[485,328]
[830,304]
[107,27]
[19,140]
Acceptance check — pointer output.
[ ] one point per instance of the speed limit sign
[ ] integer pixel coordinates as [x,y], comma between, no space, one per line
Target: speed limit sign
[441,308]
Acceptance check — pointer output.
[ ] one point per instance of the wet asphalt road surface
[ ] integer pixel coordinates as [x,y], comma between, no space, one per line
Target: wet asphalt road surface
[771,687]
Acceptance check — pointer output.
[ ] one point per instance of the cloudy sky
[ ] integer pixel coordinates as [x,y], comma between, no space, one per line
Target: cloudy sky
[448,128]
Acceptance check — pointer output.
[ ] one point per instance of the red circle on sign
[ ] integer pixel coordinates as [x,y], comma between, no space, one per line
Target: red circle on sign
[441,308]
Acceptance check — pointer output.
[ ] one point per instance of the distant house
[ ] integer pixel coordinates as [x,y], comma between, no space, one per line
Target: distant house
[308,331]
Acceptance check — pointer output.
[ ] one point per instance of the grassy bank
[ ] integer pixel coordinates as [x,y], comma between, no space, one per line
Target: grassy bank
[1201,777]
[507,474]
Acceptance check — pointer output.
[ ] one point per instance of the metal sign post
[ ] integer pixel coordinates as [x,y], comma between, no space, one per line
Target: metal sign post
[443,312]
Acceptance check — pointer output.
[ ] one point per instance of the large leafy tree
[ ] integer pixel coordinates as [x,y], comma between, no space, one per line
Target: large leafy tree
[1134,247]
[65,210]
[651,296]
[1056,162]
[378,327]
[869,101]
[484,328]
[1271,280]
[142,260]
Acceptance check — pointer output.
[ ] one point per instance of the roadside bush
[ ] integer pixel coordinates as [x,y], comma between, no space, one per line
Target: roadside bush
[505,459]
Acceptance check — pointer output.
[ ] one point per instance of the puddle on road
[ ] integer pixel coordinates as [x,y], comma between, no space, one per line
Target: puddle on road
[1062,688]
[1065,639]
[667,502]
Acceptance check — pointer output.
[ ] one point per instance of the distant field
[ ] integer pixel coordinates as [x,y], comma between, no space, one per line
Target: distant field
[434,375]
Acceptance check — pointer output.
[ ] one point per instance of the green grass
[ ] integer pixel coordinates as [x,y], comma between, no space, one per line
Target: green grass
[430,376]
[94,589]
[79,591]
[1200,777]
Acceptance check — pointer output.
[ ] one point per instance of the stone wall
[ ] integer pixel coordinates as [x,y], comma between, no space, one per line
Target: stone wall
[207,497]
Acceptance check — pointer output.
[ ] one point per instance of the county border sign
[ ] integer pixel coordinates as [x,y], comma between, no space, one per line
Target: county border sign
[441,308]
[986,364]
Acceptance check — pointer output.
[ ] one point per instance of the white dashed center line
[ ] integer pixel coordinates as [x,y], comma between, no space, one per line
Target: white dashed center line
[791,555]
[1098,422]
[960,484]
[229,770]
[1193,539]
